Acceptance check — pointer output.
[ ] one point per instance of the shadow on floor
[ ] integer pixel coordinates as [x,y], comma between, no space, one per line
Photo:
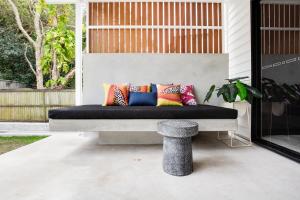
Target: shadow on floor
[203,141]
[208,152]
[212,162]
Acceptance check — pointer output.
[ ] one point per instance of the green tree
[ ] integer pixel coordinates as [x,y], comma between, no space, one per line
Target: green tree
[13,65]
[36,10]
[49,33]
[7,17]
[59,46]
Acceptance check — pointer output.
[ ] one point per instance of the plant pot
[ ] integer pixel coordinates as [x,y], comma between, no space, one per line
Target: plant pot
[227,105]
[244,118]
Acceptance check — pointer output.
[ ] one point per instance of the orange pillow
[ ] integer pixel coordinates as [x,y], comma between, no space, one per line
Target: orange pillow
[115,95]
[168,95]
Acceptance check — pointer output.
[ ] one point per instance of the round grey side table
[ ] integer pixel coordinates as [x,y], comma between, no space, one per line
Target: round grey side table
[177,146]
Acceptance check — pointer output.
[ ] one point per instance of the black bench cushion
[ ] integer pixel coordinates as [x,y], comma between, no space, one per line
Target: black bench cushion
[143,112]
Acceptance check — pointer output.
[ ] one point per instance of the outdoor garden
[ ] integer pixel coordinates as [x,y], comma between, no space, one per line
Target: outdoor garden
[37,45]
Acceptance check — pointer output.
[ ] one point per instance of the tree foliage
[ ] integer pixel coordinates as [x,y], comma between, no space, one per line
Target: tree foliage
[44,36]
[12,61]
[12,45]
[59,46]
[7,18]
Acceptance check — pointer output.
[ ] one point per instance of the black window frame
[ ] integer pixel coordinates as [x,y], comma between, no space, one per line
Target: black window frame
[256,82]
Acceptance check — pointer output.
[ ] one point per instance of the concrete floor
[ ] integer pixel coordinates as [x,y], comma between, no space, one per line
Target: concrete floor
[73,166]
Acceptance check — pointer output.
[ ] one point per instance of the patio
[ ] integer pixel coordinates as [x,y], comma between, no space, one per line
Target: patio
[73,166]
[197,42]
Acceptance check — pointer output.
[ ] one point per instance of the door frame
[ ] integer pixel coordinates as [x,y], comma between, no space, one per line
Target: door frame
[256,82]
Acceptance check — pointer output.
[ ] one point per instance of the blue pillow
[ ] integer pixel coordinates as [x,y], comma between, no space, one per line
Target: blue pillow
[142,99]
[153,88]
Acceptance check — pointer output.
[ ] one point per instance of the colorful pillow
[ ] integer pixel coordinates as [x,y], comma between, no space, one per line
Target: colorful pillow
[187,95]
[143,88]
[153,87]
[168,95]
[142,99]
[115,95]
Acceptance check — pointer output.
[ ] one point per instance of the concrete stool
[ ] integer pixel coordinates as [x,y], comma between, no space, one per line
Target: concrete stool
[177,146]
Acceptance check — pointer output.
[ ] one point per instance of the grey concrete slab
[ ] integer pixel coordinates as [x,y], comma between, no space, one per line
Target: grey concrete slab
[74,167]
[23,126]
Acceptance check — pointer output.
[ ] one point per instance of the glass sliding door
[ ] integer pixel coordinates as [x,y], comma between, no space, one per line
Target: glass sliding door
[277,73]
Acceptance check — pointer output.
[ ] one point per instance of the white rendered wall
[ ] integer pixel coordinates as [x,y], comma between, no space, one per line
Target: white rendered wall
[202,70]
[239,38]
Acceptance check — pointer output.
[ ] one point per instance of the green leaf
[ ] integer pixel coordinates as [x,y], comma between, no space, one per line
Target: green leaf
[227,94]
[62,80]
[224,92]
[209,93]
[255,92]
[224,98]
[249,98]
[220,91]
[233,91]
[242,90]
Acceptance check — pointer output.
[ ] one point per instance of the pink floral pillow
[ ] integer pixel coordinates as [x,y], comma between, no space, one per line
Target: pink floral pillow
[188,97]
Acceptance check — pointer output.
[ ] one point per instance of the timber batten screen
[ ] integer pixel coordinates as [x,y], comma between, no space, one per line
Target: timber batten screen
[280,27]
[155,27]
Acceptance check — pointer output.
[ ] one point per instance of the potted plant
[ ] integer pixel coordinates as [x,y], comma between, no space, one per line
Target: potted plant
[233,89]
[230,91]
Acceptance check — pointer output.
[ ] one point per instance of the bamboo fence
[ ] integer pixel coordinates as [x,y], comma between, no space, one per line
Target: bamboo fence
[27,105]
